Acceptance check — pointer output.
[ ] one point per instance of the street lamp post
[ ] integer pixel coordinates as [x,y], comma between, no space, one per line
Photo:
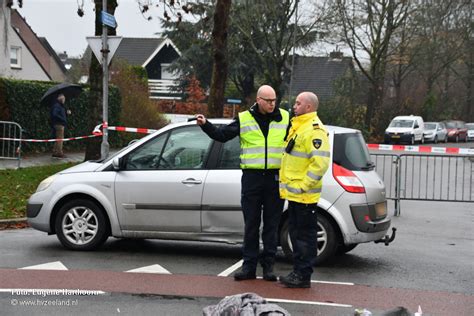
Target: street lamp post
[104,148]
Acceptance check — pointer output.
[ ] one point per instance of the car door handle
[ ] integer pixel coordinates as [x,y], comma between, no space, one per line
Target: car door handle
[191,181]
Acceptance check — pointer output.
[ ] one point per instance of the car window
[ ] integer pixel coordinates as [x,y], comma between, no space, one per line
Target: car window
[429,126]
[470,126]
[230,155]
[182,148]
[350,152]
[401,123]
[450,124]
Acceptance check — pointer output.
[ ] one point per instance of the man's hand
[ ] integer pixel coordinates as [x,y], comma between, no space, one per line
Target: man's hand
[68,112]
[200,119]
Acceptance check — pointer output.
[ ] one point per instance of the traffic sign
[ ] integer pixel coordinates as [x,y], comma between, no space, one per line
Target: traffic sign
[108,19]
[233,101]
[95,43]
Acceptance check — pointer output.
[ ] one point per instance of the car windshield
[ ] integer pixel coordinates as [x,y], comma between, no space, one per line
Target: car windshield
[430,126]
[401,123]
[350,152]
[451,125]
[470,126]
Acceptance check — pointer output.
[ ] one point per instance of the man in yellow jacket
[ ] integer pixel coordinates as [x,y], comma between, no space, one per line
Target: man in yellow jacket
[304,162]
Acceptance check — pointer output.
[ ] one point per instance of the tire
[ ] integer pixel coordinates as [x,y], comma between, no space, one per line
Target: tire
[84,233]
[457,138]
[422,141]
[342,249]
[412,140]
[446,139]
[435,139]
[327,240]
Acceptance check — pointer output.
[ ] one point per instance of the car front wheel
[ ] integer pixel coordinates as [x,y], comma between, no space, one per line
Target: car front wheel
[81,225]
[327,240]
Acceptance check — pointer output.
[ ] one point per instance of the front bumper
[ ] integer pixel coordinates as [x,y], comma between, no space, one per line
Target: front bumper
[397,138]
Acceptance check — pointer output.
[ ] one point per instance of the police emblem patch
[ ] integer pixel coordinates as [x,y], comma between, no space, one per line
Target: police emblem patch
[317,143]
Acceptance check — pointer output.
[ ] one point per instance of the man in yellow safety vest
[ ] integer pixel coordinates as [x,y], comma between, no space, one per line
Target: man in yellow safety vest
[303,165]
[262,131]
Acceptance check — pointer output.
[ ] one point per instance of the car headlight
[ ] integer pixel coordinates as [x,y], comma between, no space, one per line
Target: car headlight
[45,183]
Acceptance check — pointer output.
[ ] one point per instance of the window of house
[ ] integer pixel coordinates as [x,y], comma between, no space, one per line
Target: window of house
[166,72]
[15,57]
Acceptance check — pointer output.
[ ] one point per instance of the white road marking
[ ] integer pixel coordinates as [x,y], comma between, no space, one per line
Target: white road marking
[57,265]
[231,269]
[278,300]
[325,282]
[155,268]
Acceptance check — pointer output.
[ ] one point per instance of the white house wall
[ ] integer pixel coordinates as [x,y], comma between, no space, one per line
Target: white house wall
[30,68]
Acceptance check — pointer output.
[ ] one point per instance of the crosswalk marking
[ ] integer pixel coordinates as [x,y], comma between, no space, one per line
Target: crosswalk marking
[56,265]
[155,268]
[231,269]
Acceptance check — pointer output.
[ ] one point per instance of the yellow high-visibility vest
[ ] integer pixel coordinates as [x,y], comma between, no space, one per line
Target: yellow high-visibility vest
[303,168]
[255,151]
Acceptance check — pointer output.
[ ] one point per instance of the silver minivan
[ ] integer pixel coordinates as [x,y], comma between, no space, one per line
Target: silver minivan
[179,184]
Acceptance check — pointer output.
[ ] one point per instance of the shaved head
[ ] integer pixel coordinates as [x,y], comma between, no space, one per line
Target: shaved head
[305,102]
[311,99]
[266,99]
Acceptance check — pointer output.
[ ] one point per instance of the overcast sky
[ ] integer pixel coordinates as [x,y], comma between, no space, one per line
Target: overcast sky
[57,20]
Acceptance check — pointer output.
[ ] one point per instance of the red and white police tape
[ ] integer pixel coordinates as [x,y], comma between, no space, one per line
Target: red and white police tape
[423,149]
[420,149]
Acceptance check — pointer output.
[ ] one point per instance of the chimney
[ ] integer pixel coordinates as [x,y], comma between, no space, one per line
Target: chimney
[336,55]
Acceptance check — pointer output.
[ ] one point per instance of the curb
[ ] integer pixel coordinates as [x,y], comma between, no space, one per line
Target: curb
[13,223]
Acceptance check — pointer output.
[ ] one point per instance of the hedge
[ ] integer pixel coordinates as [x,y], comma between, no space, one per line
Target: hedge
[20,103]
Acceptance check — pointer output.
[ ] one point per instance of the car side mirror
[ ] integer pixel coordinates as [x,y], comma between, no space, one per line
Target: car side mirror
[117,163]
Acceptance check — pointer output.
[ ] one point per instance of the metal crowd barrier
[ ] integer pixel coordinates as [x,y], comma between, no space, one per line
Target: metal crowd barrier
[10,149]
[446,178]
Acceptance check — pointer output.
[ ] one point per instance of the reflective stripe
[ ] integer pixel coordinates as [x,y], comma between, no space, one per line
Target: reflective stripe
[275,150]
[320,153]
[298,191]
[314,153]
[279,126]
[245,129]
[255,150]
[261,161]
[313,176]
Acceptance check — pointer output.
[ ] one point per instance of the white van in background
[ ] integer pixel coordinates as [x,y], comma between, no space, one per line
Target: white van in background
[407,129]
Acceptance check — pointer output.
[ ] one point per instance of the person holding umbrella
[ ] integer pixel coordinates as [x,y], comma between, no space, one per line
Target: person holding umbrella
[56,96]
[58,124]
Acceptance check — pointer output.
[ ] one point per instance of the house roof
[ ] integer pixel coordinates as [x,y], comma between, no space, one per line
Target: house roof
[317,74]
[140,51]
[39,47]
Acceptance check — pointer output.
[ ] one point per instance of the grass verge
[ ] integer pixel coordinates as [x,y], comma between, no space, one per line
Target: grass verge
[16,186]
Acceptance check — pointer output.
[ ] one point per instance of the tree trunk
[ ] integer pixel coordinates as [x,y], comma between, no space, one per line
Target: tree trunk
[219,67]
[96,85]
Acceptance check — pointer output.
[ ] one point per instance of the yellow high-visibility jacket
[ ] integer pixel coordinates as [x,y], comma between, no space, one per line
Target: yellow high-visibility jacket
[256,152]
[303,168]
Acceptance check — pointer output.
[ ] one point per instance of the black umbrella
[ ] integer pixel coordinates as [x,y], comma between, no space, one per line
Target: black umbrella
[68,89]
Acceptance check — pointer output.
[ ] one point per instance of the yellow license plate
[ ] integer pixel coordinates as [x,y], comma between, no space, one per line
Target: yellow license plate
[395,136]
[381,209]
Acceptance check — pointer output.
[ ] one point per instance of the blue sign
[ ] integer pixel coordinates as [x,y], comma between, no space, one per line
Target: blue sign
[108,19]
[233,101]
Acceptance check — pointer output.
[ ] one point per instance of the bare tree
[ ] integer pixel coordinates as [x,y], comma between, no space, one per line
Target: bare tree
[367,27]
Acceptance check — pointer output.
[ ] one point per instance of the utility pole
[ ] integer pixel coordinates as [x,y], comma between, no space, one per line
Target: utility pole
[104,148]
[290,92]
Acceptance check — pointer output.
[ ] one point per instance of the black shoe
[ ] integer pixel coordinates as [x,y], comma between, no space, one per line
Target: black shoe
[267,265]
[294,280]
[244,275]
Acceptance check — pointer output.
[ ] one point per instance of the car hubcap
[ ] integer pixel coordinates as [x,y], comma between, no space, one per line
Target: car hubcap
[322,239]
[80,225]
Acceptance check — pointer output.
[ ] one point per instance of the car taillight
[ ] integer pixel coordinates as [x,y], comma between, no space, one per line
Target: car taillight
[347,179]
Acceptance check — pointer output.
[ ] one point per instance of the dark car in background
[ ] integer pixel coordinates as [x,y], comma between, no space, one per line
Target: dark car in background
[457,130]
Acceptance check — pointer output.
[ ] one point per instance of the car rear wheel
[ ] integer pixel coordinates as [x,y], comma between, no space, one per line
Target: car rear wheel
[327,240]
[81,225]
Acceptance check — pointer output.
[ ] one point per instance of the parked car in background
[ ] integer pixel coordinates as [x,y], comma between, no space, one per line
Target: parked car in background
[435,132]
[470,131]
[457,130]
[408,129]
[179,184]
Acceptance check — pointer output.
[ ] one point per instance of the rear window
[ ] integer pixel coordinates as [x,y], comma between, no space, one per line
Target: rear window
[350,151]
[451,124]
[470,126]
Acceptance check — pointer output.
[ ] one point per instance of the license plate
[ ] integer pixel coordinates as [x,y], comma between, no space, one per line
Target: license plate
[395,136]
[381,209]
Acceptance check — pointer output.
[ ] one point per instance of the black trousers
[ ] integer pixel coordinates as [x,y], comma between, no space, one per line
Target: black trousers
[303,228]
[260,196]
